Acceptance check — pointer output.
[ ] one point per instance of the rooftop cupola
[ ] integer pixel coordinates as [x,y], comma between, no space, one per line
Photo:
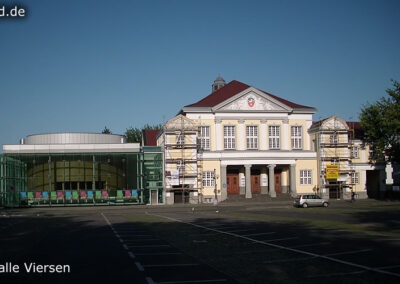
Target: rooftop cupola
[218,83]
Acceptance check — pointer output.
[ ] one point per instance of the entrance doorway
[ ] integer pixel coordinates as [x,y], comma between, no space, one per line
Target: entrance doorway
[278,182]
[232,183]
[335,189]
[181,197]
[255,183]
[153,196]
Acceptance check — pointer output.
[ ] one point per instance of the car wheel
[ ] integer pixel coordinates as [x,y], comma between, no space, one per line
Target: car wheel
[325,204]
[305,205]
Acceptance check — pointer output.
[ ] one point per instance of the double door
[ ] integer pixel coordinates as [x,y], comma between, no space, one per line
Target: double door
[232,183]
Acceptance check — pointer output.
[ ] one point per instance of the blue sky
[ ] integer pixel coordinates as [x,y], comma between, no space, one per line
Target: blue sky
[81,65]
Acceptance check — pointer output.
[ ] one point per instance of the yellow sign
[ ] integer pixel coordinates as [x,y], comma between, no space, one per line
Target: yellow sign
[332,171]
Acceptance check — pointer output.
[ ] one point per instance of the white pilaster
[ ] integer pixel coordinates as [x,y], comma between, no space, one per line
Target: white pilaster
[306,135]
[241,136]
[219,135]
[285,135]
[263,135]
[364,179]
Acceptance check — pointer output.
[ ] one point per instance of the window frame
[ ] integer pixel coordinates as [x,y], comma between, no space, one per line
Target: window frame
[179,139]
[181,167]
[205,140]
[296,139]
[229,140]
[355,178]
[306,179]
[334,138]
[354,152]
[208,179]
[252,140]
[275,139]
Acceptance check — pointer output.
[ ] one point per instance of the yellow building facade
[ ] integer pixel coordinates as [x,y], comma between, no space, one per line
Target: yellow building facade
[340,143]
[239,140]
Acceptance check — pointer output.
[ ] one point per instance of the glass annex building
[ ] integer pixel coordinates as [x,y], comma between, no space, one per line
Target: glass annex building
[67,169]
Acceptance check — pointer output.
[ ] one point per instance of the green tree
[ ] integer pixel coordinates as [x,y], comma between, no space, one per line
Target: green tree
[106,130]
[134,134]
[381,123]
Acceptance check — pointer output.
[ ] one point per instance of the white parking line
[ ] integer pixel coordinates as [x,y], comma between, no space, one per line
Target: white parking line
[193,281]
[159,253]
[150,280]
[336,274]
[281,239]
[142,236]
[140,240]
[348,252]
[131,232]
[243,230]
[207,234]
[389,267]
[289,260]
[139,266]
[312,245]
[171,265]
[285,248]
[149,246]
[118,237]
[224,227]
[258,234]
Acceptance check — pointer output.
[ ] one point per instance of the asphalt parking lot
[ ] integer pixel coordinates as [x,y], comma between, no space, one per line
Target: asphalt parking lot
[240,243]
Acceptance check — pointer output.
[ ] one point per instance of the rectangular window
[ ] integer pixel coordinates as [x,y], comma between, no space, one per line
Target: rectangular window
[354,152]
[297,137]
[355,178]
[229,137]
[305,177]
[208,179]
[252,137]
[205,137]
[274,136]
[180,139]
[333,138]
[180,166]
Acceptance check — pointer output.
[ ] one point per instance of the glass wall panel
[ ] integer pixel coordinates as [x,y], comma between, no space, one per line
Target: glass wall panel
[58,179]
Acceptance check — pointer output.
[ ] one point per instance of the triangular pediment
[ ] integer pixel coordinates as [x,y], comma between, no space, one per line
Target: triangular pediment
[180,122]
[334,123]
[252,100]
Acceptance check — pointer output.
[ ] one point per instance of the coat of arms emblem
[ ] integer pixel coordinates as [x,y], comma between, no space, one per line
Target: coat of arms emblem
[250,102]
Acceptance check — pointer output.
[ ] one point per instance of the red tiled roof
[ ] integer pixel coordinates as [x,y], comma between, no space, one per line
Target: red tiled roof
[319,122]
[150,137]
[231,89]
[358,130]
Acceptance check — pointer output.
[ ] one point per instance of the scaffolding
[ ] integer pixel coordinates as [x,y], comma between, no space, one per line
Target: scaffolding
[334,144]
[183,159]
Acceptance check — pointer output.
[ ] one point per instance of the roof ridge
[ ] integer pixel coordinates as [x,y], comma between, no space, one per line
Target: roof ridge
[233,88]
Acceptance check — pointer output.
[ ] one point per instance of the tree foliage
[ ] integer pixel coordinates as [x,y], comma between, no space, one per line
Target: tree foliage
[106,130]
[381,123]
[134,134]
